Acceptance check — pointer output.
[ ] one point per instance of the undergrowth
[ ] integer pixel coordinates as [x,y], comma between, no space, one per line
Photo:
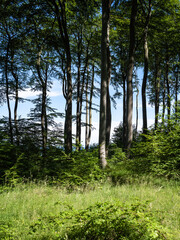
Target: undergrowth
[147,210]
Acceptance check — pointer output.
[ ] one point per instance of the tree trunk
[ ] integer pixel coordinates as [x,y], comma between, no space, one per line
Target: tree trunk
[157,89]
[90,109]
[130,76]
[176,94]
[16,97]
[164,99]
[60,12]
[168,88]
[68,116]
[124,110]
[82,89]
[7,94]
[104,77]
[78,96]
[43,104]
[144,109]
[137,96]
[146,62]
[87,112]
[108,107]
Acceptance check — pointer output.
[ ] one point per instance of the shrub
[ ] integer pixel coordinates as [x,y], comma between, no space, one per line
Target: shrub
[159,153]
[102,221]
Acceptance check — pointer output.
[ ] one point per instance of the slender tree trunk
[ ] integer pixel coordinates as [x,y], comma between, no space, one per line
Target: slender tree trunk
[7,94]
[15,110]
[78,96]
[90,109]
[157,89]
[104,77]
[146,62]
[168,88]
[82,89]
[43,104]
[176,93]
[68,116]
[60,12]
[137,96]
[16,97]
[108,107]
[124,110]
[130,76]
[87,112]
[144,109]
[164,99]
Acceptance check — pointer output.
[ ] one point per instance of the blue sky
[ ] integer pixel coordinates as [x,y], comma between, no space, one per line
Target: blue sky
[58,102]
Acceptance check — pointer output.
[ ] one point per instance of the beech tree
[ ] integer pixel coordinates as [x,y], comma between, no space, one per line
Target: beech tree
[59,9]
[129,136]
[104,78]
[146,7]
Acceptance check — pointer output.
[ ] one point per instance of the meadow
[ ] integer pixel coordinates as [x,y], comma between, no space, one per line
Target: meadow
[35,210]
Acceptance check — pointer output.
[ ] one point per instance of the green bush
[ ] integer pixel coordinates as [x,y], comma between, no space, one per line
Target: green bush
[80,168]
[102,221]
[159,153]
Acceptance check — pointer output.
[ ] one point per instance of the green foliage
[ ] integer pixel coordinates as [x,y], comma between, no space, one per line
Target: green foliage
[7,156]
[117,169]
[80,168]
[101,221]
[159,153]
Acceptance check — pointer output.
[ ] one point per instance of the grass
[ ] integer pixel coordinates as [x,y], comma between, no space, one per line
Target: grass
[23,205]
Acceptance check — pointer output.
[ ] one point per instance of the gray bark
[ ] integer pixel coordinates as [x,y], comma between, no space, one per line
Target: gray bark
[130,76]
[7,93]
[104,77]
[157,89]
[146,63]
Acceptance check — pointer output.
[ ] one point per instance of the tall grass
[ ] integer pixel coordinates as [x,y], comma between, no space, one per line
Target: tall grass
[23,205]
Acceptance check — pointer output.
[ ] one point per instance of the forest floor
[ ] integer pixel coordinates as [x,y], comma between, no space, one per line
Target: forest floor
[23,205]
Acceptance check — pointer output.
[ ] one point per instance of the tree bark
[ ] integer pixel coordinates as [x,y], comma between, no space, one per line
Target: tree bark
[15,76]
[87,112]
[82,89]
[60,12]
[130,76]
[164,99]
[168,88]
[43,104]
[90,109]
[124,110]
[7,93]
[108,107]
[146,62]
[137,115]
[104,77]
[78,140]
[176,94]
[157,88]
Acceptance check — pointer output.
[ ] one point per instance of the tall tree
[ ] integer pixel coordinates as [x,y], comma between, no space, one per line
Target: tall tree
[145,8]
[108,101]
[104,76]
[130,67]
[59,8]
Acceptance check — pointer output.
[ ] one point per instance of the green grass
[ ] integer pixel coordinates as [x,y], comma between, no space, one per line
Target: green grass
[26,203]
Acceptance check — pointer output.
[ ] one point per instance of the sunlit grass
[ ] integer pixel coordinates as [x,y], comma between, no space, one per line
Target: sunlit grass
[26,203]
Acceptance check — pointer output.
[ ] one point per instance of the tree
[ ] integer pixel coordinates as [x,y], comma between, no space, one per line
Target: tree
[146,61]
[104,77]
[59,9]
[130,67]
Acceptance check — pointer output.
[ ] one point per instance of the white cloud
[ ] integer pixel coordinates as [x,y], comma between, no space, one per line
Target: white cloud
[32,94]
[54,94]
[28,93]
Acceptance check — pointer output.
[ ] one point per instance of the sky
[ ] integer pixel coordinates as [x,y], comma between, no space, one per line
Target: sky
[58,102]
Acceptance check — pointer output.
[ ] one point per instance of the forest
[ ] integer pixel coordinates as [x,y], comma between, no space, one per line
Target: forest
[52,184]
